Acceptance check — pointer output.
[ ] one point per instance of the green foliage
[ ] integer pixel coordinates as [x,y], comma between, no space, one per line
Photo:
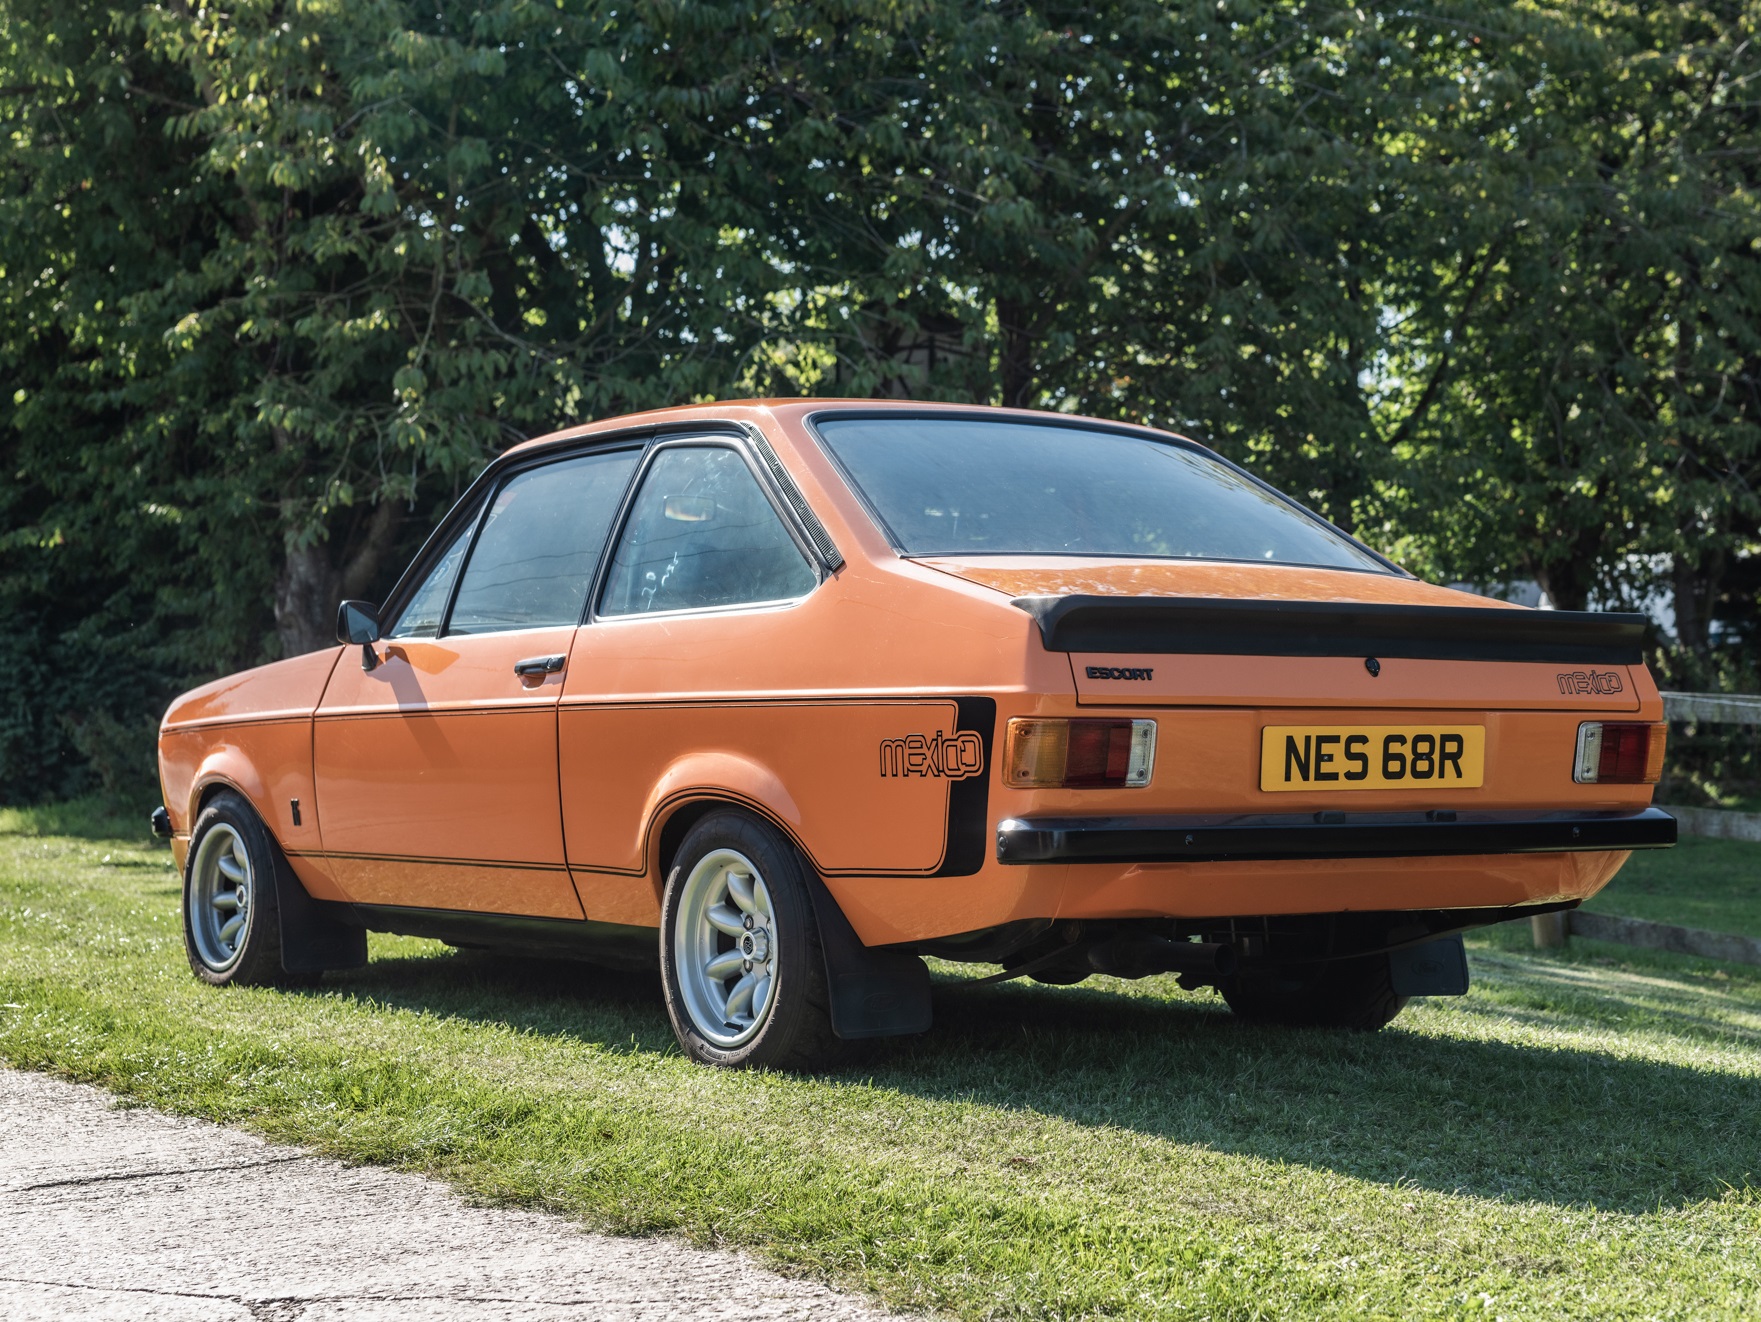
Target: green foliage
[1597,404]
[276,280]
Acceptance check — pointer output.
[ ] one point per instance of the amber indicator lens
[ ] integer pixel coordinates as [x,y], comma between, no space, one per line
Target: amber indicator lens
[1048,753]
[1619,753]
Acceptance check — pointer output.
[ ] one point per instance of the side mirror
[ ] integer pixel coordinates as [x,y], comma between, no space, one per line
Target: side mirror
[358,622]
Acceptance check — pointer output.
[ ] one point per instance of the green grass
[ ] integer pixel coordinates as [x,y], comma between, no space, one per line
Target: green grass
[1580,1137]
[1710,884]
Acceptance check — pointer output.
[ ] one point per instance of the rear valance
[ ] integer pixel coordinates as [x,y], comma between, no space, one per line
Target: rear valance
[1220,627]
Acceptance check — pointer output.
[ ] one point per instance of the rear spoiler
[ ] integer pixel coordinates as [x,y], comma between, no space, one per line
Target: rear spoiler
[1213,626]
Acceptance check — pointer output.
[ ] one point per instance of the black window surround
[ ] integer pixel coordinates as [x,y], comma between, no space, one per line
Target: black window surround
[468,510]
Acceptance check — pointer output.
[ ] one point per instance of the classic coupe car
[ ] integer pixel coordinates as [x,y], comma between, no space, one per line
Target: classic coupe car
[787,695]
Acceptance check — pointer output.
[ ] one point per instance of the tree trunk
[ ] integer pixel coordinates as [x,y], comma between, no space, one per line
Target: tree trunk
[1015,367]
[1695,590]
[305,598]
[310,584]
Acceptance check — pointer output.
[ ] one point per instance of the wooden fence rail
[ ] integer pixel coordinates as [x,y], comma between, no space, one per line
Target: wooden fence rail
[1713,708]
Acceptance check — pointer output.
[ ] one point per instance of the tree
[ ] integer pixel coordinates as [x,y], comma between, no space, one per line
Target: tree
[1600,427]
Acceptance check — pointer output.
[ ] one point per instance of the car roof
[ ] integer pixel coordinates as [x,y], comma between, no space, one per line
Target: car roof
[792,408]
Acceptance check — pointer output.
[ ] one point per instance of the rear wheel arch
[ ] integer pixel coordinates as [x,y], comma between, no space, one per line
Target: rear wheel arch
[673,819]
[872,992]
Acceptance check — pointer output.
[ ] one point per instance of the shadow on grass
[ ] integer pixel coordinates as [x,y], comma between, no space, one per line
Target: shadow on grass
[1555,1124]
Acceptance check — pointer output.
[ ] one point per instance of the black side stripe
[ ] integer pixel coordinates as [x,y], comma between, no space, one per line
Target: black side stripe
[969,800]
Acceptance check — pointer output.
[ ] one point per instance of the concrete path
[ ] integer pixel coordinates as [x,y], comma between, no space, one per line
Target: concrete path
[134,1215]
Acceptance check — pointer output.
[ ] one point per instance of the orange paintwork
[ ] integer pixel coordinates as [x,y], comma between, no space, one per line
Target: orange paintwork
[440,780]
[436,774]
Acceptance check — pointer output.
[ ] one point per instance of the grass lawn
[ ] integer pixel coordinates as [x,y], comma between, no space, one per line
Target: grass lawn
[1710,884]
[1579,1137]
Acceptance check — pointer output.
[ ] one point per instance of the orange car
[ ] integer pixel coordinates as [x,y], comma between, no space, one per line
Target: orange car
[789,694]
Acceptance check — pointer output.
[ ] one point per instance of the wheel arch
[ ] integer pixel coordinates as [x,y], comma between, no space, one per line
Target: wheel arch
[314,935]
[228,768]
[697,784]
[673,818]
[874,992]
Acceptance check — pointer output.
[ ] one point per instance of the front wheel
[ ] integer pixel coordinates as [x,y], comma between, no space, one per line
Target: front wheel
[1342,993]
[231,918]
[740,950]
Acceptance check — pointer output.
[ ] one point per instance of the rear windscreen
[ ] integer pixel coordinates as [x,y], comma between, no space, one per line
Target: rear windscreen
[973,486]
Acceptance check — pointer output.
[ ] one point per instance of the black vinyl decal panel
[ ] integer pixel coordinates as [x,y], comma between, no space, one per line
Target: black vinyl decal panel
[1213,627]
[969,800]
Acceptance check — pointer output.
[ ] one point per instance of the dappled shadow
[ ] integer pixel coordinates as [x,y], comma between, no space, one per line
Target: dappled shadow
[1492,1118]
[1496,1119]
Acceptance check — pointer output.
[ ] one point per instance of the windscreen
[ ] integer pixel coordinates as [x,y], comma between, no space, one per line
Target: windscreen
[973,486]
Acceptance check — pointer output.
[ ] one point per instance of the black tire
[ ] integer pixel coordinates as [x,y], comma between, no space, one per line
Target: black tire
[794,1029]
[1345,993]
[252,957]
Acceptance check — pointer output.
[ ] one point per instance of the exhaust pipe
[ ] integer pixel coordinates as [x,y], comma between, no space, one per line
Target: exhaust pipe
[1143,956]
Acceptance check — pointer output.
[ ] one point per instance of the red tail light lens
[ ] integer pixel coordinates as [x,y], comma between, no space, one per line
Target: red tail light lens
[1619,753]
[1049,753]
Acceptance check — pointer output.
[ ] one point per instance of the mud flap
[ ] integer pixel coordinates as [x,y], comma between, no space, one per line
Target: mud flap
[874,992]
[313,939]
[1432,968]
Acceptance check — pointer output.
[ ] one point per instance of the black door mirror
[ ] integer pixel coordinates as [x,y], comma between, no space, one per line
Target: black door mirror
[358,622]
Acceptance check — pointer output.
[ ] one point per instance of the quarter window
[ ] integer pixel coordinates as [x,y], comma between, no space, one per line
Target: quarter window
[421,618]
[702,534]
[533,562]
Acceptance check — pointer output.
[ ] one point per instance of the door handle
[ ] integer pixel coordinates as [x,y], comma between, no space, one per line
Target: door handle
[539,665]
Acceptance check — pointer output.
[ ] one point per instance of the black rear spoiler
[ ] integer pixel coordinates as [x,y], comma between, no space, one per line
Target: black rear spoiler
[1214,626]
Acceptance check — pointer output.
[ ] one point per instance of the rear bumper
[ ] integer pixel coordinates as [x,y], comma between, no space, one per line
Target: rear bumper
[1204,839]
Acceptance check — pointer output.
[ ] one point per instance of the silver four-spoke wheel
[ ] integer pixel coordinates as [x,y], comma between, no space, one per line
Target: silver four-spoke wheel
[725,933]
[222,889]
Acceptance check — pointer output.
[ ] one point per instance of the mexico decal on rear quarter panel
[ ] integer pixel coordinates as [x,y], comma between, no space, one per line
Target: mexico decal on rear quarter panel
[1372,757]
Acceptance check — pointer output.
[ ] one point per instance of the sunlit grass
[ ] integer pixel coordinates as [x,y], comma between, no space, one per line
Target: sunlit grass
[1710,884]
[1578,1137]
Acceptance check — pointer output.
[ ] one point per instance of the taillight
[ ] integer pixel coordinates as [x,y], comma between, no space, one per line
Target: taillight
[1619,753]
[1052,753]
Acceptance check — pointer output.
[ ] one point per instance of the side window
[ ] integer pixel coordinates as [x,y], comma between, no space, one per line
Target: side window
[701,534]
[541,541]
[421,618]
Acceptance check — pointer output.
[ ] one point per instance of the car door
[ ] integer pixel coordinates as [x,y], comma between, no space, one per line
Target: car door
[436,770]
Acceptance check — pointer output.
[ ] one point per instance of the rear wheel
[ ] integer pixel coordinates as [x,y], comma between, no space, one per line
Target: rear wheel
[740,951]
[1343,993]
[231,918]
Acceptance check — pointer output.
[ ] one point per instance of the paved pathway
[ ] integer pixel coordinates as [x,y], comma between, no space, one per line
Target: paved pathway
[129,1214]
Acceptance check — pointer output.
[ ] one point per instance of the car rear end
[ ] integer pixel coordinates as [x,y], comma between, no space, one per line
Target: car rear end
[1278,755]
[1249,757]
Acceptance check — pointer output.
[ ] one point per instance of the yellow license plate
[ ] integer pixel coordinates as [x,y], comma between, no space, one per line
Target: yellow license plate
[1372,757]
